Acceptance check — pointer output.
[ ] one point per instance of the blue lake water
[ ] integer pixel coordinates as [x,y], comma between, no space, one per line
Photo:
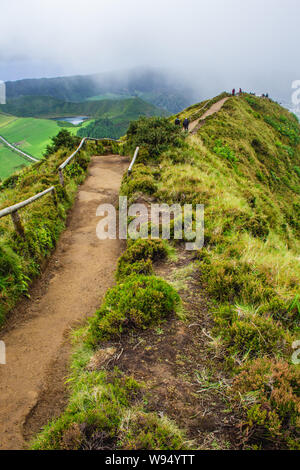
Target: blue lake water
[75,120]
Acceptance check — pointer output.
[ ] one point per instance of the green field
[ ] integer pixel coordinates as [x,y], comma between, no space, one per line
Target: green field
[6,119]
[10,162]
[29,134]
[28,123]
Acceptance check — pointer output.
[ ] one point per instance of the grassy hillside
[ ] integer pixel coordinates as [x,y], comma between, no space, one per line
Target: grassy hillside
[228,377]
[6,119]
[112,118]
[47,107]
[115,120]
[244,166]
[10,162]
[29,134]
[171,102]
[187,350]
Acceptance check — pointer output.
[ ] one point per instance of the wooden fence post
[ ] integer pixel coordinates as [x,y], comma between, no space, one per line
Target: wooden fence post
[17,223]
[54,197]
[61,177]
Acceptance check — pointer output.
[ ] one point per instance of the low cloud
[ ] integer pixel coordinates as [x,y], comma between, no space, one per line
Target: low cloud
[211,45]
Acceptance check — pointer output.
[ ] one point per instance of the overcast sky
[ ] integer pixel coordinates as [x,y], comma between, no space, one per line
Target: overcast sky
[220,43]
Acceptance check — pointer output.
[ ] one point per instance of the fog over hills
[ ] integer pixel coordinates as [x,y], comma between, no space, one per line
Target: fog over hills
[152,85]
[207,47]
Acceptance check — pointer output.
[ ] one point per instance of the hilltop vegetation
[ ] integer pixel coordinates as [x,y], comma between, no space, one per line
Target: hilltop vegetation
[214,327]
[243,165]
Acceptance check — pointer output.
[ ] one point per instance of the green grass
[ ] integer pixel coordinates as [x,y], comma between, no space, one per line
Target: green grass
[30,135]
[10,162]
[243,166]
[6,119]
[106,411]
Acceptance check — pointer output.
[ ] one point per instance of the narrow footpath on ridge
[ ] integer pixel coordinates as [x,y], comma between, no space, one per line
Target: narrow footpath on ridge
[32,383]
[215,108]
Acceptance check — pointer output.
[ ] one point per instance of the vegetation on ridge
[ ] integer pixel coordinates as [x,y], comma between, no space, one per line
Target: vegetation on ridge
[43,221]
[243,165]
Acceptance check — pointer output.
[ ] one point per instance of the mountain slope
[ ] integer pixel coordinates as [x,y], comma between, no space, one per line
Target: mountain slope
[212,369]
[240,292]
[45,106]
[151,85]
[243,165]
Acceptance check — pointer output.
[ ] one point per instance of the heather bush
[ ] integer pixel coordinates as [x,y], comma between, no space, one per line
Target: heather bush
[138,303]
[269,394]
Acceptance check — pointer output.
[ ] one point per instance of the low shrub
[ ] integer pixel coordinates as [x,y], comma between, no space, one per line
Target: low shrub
[139,302]
[229,279]
[257,226]
[138,267]
[247,333]
[223,150]
[180,155]
[138,253]
[269,393]
[288,313]
[102,414]
[155,134]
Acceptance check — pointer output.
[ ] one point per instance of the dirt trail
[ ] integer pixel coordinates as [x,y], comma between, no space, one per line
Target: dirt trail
[195,125]
[71,288]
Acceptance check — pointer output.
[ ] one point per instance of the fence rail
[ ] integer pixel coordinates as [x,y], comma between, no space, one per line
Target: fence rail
[13,210]
[67,161]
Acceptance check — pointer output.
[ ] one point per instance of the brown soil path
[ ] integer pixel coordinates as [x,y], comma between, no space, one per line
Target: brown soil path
[195,125]
[71,288]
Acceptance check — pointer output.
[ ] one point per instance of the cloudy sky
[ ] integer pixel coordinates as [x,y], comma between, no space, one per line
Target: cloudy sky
[222,43]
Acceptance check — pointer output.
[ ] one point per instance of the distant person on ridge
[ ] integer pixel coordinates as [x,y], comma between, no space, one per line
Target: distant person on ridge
[233,92]
[177,122]
[240,92]
[186,124]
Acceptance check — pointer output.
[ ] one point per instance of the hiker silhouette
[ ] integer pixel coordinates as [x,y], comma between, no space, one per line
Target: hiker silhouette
[186,123]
